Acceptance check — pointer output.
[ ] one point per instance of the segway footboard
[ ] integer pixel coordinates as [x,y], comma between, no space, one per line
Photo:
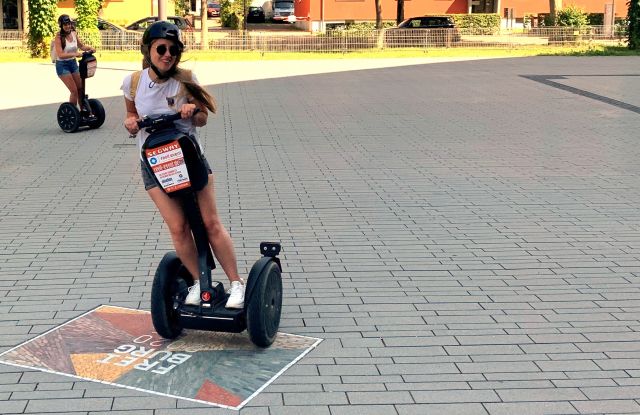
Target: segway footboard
[217,318]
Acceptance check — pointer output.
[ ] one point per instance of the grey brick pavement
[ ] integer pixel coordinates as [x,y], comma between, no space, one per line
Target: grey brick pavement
[465,238]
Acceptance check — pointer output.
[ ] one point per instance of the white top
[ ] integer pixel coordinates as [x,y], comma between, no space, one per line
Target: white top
[153,99]
[70,47]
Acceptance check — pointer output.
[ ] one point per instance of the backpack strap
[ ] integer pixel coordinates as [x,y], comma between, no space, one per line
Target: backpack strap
[135,80]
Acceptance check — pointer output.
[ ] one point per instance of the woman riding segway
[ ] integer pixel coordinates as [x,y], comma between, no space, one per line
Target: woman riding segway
[66,46]
[164,88]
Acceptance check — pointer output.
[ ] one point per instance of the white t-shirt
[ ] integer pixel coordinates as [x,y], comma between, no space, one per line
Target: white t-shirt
[70,47]
[154,99]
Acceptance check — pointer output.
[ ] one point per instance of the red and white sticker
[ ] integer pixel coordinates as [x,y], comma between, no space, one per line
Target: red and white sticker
[167,163]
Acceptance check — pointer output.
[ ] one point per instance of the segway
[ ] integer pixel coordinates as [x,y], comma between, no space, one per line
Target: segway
[92,114]
[177,164]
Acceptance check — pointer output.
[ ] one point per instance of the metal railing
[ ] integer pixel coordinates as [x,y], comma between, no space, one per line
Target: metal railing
[12,40]
[347,41]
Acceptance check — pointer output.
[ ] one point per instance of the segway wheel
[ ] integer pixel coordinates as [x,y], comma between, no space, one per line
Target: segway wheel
[98,111]
[68,117]
[265,305]
[167,284]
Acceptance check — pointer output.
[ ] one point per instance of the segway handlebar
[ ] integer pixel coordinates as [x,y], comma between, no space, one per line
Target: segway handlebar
[161,121]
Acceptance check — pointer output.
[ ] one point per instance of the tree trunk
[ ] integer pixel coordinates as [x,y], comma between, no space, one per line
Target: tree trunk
[400,12]
[378,14]
[554,7]
[205,30]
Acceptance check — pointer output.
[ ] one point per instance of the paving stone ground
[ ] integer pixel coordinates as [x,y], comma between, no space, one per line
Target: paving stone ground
[465,236]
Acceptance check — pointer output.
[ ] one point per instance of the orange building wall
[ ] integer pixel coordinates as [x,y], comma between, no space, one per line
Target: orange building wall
[522,7]
[120,11]
[363,10]
[360,10]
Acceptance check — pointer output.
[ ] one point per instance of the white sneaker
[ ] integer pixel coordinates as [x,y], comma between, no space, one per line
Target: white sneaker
[193,298]
[236,296]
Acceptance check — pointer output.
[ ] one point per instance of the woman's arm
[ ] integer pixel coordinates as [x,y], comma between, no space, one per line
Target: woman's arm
[199,119]
[84,47]
[131,119]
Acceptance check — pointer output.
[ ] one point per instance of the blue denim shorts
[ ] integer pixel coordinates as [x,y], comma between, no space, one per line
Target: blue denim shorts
[149,179]
[66,67]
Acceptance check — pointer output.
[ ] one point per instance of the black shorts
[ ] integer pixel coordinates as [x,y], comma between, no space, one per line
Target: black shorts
[149,180]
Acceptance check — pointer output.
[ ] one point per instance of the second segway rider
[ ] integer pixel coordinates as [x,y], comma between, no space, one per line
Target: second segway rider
[65,50]
[164,88]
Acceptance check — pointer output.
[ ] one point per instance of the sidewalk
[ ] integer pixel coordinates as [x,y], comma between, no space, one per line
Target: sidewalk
[463,236]
[108,78]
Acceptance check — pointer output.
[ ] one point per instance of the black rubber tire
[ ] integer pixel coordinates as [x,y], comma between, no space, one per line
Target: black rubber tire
[68,117]
[166,284]
[98,111]
[265,305]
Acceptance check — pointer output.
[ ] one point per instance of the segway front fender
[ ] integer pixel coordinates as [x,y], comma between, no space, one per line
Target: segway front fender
[263,301]
[254,274]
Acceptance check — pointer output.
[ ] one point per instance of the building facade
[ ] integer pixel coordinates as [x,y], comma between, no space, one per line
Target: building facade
[315,15]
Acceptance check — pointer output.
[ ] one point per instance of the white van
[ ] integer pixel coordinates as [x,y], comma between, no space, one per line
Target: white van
[282,9]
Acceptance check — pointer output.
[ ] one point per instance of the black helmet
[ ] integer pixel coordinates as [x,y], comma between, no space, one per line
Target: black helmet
[64,18]
[160,30]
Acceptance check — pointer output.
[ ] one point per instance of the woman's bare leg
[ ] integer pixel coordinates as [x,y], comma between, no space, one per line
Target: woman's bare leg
[179,229]
[219,238]
[70,83]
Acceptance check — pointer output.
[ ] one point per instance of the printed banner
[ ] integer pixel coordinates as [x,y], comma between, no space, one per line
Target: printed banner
[167,163]
[118,346]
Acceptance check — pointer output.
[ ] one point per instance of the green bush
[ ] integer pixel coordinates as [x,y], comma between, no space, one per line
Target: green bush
[633,16]
[488,23]
[595,19]
[43,25]
[572,16]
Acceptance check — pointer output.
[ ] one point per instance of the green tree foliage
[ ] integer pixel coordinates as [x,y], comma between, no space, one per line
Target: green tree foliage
[231,14]
[87,21]
[633,16]
[42,26]
[183,7]
[572,16]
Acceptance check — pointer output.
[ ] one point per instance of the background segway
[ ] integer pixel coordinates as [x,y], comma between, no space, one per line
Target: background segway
[264,303]
[98,111]
[168,282]
[68,117]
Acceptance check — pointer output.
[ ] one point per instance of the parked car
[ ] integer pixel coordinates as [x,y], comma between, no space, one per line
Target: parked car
[428,22]
[282,9]
[213,9]
[116,37]
[423,31]
[142,24]
[255,14]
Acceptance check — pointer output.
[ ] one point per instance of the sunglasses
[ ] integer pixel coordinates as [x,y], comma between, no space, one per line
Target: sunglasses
[173,50]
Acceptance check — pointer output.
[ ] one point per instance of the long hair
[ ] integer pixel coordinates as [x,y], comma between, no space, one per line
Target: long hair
[196,91]
[63,38]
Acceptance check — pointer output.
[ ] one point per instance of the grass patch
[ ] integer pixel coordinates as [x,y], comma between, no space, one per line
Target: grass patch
[134,56]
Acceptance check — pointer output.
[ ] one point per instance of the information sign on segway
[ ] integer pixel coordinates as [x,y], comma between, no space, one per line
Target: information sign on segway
[176,162]
[92,114]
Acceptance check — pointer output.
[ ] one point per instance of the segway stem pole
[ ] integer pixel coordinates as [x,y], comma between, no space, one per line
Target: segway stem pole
[192,212]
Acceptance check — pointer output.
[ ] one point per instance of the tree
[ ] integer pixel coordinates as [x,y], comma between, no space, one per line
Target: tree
[633,16]
[554,6]
[42,26]
[400,12]
[87,21]
[378,14]
[572,16]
